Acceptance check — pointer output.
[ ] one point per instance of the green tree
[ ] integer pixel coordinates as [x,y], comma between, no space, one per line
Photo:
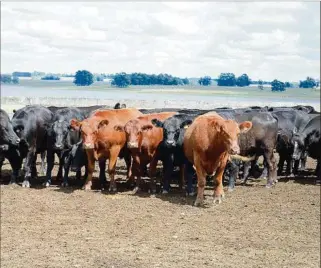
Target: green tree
[6,78]
[121,80]
[226,79]
[205,81]
[287,84]
[277,85]
[15,80]
[260,84]
[185,81]
[243,80]
[83,78]
[308,83]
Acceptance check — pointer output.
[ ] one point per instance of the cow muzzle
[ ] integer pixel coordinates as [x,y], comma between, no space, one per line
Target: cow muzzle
[88,146]
[170,143]
[132,145]
[58,146]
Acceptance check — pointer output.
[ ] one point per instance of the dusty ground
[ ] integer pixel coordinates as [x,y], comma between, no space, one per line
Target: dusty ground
[253,227]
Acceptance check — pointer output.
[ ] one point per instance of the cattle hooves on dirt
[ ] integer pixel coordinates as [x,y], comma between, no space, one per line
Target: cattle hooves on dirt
[26,184]
[64,184]
[199,202]
[229,189]
[136,190]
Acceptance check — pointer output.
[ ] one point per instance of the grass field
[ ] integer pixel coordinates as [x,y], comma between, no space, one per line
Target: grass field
[247,92]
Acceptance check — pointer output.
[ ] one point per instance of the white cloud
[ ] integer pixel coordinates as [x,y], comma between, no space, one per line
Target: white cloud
[266,40]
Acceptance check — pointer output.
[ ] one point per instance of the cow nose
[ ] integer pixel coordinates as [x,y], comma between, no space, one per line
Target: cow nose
[132,144]
[235,150]
[18,141]
[58,146]
[88,146]
[170,142]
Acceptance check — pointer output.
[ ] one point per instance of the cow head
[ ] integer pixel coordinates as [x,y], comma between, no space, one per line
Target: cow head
[7,134]
[88,130]
[59,132]
[230,132]
[172,129]
[134,133]
[298,144]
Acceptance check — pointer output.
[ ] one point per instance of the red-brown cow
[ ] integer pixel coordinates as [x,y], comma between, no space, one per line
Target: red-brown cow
[103,140]
[208,141]
[142,141]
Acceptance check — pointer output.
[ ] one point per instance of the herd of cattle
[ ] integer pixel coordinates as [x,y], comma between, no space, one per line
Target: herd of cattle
[201,143]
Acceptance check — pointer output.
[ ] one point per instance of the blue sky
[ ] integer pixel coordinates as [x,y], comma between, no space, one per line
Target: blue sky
[265,40]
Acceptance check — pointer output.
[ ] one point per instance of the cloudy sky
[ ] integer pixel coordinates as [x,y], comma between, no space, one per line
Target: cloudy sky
[265,40]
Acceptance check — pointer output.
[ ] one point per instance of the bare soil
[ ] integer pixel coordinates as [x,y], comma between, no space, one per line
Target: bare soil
[68,227]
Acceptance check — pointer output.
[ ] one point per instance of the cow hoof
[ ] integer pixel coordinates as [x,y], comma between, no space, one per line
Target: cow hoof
[64,184]
[136,190]
[318,182]
[230,189]
[12,182]
[86,187]
[152,191]
[46,184]
[190,194]
[112,189]
[26,184]
[198,202]
[218,200]
[268,186]
[164,192]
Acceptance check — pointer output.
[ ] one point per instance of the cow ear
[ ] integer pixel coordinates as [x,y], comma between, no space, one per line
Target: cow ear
[147,127]
[102,123]
[245,126]
[157,123]
[186,123]
[75,124]
[14,111]
[119,128]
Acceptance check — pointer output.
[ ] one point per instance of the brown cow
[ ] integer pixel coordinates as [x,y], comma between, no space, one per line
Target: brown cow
[208,141]
[103,140]
[142,141]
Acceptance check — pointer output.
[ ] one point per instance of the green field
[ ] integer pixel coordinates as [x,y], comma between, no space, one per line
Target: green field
[244,92]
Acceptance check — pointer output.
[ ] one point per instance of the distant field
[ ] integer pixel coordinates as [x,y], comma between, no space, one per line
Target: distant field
[247,92]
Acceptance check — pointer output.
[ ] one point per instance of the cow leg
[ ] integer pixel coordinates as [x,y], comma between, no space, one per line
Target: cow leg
[43,164]
[136,171]
[152,174]
[271,163]
[265,170]
[67,164]
[34,167]
[189,172]
[114,152]
[128,160]
[168,166]
[61,162]
[28,167]
[303,161]
[102,173]
[201,182]
[50,164]
[218,184]
[234,170]
[91,169]
[246,171]
[16,163]
[281,164]
[182,177]
[318,172]
[289,166]
[296,167]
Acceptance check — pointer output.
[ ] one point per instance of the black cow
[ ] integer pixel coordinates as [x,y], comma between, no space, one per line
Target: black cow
[10,146]
[308,141]
[289,122]
[61,138]
[31,125]
[259,140]
[75,160]
[171,147]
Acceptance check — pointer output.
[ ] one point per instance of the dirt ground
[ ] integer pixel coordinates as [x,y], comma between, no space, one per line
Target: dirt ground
[68,227]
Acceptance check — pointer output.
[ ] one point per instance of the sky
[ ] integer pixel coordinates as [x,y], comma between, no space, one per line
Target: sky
[186,39]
